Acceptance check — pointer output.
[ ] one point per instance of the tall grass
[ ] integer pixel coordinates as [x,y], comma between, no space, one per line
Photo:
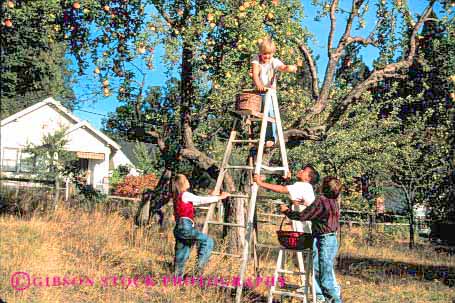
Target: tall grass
[73,243]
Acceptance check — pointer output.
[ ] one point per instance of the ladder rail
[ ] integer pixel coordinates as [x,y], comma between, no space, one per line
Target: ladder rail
[219,181]
[279,128]
[252,204]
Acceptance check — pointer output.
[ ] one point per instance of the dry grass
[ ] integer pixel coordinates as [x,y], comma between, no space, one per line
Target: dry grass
[76,244]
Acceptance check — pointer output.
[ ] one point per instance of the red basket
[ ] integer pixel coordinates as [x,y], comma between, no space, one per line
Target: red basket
[294,239]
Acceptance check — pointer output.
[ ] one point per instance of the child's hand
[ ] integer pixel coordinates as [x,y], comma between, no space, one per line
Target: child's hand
[298,202]
[224,195]
[283,208]
[288,176]
[258,179]
[292,68]
[261,88]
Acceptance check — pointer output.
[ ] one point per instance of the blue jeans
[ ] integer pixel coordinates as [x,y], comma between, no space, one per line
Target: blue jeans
[185,236]
[270,134]
[325,248]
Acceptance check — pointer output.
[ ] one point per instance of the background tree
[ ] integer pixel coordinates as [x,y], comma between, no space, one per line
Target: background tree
[50,160]
[33,63]
[208,45]
[147,162]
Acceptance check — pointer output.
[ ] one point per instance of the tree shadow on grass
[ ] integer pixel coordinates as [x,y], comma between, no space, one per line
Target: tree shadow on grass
[371,269]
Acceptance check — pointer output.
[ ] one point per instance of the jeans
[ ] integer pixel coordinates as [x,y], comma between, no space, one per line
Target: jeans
[325,248]
[185,236]
[270,134]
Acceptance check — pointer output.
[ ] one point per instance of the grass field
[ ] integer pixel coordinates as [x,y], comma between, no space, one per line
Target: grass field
[91,249]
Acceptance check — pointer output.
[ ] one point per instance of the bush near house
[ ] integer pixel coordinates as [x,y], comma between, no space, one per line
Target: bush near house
[134,186]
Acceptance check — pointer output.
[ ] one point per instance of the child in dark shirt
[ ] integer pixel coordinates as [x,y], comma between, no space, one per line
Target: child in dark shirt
[324,214]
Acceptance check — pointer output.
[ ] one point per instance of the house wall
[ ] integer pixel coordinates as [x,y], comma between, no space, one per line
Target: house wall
[31,128]
[119,158]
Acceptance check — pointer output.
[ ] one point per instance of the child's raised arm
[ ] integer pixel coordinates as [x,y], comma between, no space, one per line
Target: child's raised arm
[288,68]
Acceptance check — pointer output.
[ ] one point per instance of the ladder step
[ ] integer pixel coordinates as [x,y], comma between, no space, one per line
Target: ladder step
[275,168]
[290,272]
[226,254]
[202,207]
[270,215]
[246,141]
[239,167]
[226,224]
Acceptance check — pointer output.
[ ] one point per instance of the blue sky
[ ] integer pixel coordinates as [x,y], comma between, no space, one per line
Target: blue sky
[99,105]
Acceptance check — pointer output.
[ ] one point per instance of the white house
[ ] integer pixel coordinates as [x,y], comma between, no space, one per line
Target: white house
[94,149]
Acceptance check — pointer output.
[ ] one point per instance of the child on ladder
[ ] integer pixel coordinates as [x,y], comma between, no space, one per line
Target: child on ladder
[264,68]
[184,232]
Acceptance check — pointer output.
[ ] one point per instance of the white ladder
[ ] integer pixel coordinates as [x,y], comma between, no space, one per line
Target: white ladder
[258,167]
[307,273]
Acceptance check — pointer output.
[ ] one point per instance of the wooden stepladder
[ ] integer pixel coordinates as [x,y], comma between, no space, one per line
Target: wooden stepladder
[255,166]
[306,271]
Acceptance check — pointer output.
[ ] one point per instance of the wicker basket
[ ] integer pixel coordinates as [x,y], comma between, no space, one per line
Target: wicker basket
[294,239]
[248,100]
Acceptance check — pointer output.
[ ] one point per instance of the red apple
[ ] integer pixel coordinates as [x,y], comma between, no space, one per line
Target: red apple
[8,23]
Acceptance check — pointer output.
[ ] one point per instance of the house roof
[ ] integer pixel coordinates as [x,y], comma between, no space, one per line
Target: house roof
[48,101]
[78,123]
[86,125]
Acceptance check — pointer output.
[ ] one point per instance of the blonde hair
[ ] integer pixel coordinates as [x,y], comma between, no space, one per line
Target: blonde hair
[181,183]
[266,46]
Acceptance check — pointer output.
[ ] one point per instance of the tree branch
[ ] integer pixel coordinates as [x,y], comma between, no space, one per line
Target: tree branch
[313,71]
[201,159]
[389,71]
[334,56]
[159,7]
[303,134]
[333,22]
[160,141]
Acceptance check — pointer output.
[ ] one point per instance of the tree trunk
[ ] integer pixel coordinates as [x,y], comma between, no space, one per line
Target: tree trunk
[235,214]
[57,192]
[411,227]
[152,202]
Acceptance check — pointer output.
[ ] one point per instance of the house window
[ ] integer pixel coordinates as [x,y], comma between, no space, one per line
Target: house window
[27,163]
[9,159]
